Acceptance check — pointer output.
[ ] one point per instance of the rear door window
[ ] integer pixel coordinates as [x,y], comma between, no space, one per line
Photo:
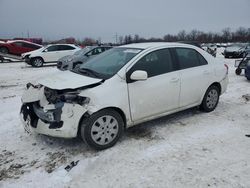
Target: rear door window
[189,58]
[65,47]
[52,48]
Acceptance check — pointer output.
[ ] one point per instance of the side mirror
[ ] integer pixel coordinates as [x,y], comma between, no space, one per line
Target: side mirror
[139,75]
[46,50]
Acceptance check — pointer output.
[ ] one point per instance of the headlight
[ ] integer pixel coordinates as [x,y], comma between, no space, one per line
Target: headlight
[34,86]
[54,96]
[73,97]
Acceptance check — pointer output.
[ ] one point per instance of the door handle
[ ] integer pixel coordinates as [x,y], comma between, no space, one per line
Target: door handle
[173,80]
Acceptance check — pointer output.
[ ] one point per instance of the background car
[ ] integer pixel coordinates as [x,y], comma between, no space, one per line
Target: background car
[49,54]
[81,56]
[210,48]
[17,47]
[235,50]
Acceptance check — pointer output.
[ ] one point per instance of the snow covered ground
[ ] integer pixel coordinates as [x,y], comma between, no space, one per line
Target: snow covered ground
[187,149]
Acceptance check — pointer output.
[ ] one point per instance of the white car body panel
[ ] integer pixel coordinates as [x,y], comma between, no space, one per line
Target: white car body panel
[160,94]
[51,56]
[139,101]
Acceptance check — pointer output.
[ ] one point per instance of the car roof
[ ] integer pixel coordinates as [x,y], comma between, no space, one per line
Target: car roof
[148,45]
[11,41]
[62,44]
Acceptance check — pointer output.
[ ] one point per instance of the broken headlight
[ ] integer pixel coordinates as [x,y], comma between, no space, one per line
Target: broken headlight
[55,96]
[73,97]
[28,85]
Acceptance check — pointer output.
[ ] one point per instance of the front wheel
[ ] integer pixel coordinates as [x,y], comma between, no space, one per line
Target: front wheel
[102,129]
[238,71]
[37,62]
[210,99]
[4,50]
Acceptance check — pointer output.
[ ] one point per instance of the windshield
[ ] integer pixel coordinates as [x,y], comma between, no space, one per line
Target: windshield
[85,50]
[110,62]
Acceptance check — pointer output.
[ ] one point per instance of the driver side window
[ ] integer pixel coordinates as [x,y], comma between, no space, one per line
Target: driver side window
[155,63]
[52,48]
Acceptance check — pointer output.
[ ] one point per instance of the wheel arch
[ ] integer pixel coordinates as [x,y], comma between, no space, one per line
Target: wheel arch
[217,84]
[87,114]
[37,57]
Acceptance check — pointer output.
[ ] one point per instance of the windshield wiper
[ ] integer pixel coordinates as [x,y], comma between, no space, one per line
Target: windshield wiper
[89,72]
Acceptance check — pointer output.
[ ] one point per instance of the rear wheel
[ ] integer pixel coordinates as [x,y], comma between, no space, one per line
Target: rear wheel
[37,62]
[102,129]
[4,50]
[210,99]
[238,71]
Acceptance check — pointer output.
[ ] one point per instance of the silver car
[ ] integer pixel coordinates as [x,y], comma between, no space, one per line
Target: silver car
[79,57]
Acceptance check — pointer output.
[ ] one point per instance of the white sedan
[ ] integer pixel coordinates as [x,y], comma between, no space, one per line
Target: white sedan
[123,87]
[49,54]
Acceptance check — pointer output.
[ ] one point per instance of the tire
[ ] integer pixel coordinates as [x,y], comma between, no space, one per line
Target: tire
[4,50]
[238,71]
[97,133]
[211,99]
[37,62]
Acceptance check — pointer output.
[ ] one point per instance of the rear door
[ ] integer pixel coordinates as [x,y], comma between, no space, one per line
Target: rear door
[65,50]
[195,73]
[160,92]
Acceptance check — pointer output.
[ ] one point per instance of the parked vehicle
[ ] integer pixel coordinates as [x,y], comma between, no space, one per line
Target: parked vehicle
[247,70]
[17,47]
[242,63]
[69,62]
[49,54]
[210,48]
[235,50]
[123,87]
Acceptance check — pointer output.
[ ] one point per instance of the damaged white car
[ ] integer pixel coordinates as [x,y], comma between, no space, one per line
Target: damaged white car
[123,87]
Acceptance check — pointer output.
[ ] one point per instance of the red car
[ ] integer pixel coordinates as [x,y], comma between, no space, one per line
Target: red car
[17,47]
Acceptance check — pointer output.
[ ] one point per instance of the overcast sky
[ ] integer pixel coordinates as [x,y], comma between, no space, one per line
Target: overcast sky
[55,19]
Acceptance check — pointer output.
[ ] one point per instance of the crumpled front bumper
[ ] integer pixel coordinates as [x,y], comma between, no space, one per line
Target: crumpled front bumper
[57,120]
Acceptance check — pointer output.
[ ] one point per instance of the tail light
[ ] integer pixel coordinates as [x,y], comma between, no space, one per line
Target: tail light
[226,68]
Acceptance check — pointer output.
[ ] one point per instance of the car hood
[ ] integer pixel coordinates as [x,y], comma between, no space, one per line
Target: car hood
[67,80]
[66,58]
[233,49]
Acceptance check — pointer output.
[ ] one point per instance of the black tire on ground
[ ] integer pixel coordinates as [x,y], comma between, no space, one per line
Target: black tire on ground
[4,50]
[211,99]
[238,71]
[37,62]
[102,129]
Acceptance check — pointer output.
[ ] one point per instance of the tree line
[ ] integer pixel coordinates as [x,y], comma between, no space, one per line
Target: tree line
[226,35]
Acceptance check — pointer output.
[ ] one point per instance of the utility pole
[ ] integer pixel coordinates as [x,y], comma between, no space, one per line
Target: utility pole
[28,34]
[116,38]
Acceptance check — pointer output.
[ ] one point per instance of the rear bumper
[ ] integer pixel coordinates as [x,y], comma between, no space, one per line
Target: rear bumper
[224,84]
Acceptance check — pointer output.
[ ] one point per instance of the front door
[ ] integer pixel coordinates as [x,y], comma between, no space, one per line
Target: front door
[160,92]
